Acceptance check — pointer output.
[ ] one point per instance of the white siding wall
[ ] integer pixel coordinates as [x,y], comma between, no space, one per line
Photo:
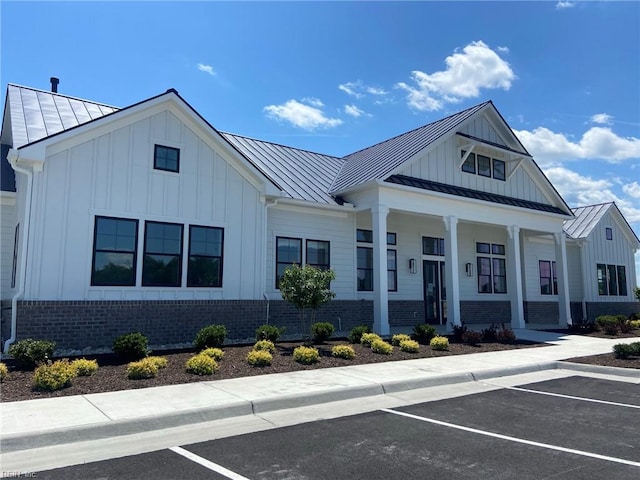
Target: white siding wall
[113,175]
[7,228]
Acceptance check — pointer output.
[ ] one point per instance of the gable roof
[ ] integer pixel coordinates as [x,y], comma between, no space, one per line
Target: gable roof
[587,218]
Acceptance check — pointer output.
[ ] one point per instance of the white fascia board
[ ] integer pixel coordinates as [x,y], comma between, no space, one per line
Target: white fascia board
[304,206]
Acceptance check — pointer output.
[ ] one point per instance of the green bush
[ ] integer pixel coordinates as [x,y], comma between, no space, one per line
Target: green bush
[259,358]
[356,333]
[608,324]
[216,353]
[439,343]
[160,362]
[265,345]
[381,347]
[84,367]
[32,352]
[490,334]
[321,331]
[201,364]
[625,350]
[367,338]
[410,346]
[306,355]
[269,332]
[54,376]
[635,324]
[423,333]
[211,336]
[4,372]
[398,338]
[471,337]
[141,369]
[343,351]
[458,331]
[131,346]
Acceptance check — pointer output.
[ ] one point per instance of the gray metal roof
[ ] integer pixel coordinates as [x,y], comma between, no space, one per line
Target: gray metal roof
[469,193]
[381,159]
[303,175]
[586,218]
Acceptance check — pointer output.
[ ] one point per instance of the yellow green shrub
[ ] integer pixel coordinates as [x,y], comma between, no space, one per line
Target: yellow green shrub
[439,343]
[343,351]
[635,324]
[201,365]
[160,362]
[410,346]
[215,353]
[381,347]
[84,367]
[306,355]
[54,376]
[259,358]
[399,338]
[145,368]
[368,338]
[266,345]
[4,372]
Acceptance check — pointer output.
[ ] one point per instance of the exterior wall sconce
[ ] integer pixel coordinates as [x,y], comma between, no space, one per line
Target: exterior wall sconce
[413,266]
[468,268]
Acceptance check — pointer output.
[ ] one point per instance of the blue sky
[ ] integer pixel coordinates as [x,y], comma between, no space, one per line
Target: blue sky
[334,77]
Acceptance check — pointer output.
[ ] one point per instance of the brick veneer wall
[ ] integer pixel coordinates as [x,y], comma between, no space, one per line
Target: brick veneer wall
[595,309]
[406,312]
[541,313]
[485,312]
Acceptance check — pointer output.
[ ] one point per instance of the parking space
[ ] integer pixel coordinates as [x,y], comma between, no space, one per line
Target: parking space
[569,428]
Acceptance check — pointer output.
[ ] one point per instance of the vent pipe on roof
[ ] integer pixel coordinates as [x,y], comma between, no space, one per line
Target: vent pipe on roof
[54,84]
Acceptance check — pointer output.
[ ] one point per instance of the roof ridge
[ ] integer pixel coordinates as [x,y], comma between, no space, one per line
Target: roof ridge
[594,205]
[280,145]
[61,95]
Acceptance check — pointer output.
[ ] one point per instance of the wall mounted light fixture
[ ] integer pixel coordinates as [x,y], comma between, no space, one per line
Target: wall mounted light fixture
[413,265]
[468,268]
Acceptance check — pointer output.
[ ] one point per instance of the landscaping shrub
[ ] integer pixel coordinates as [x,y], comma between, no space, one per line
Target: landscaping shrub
[201,364]
[140,369]
[131,346]
[216,353]
[211,336]
[471,337]
[624,350]
[30,352]
[259,358]
[381,347]
[343,351]
[635,324]
[160,362]
[410,346]
[321,331]
[355,334]
[582,326]
[490,334]
[265,345]
[367,338]
[423,333]
[506,335]
[84,367]
[608,324]
[269,332]
[54,376]
[4,372]
[306,355]
[439,343]
[398,338]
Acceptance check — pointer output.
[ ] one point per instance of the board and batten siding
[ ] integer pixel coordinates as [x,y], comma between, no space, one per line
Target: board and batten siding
[112,175]
[8,220]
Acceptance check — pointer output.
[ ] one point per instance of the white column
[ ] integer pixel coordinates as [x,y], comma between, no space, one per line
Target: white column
[563,280]
[514,277]
[452,270]
[380,280]
[585,276]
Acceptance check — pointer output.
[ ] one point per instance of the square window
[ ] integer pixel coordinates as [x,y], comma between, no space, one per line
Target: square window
[499,169]
[364,236]
[318,254]
[114,252]
[166,158]
[484,166]
[469,164]
[497,249]
[391,239]
[483,247]
[433,246]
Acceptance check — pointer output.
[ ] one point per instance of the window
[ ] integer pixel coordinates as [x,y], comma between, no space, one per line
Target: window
[14,264]
[498,169]
[622,281]
[162,265]
[364,236]
[205,256]
[548,277]
[115,243]
[365,269]
[484,166]
[391,239]
[469,164]
[365,262]
[288,252]
[433,246]
[609,233]
[392,270]
[612,279]
[318,254]
[602,279]
[166,158]
[492,271]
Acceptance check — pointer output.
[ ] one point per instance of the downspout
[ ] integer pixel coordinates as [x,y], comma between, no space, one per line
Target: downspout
[13,160]
[264,255]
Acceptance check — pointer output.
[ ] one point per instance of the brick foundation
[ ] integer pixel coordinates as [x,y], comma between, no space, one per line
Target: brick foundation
[472,312]
[595,309]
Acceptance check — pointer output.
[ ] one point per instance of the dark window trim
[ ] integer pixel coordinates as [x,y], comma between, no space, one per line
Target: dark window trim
[392,237]
[134,252]
[364,269]
[503,174]
[394,270]
[277,279]
[155,158]
[439,246]
[603,282]
[469,162]
[487,174]
[609,233]
[179,255]
[492,252]
[322,266]
[221,257]
[14,264]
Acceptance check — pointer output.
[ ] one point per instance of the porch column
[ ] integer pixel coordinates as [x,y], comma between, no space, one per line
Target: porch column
[563,280]
[380,280]
[514,273]
[452,270]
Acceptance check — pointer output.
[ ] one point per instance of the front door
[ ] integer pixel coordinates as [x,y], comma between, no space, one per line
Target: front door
[435,304]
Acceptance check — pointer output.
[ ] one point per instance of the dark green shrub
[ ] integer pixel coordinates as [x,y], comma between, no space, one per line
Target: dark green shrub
[608,324]
[32,352]
[490,334]
[457,332]
[131,346]
[355,335]
[623,350]
[211,336]
[582,326]
[269,332]
[625,325]
[321,331]
[423,333]
[471,337]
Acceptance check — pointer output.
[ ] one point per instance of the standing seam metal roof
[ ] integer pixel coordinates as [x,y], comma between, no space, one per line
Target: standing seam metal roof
[586,218]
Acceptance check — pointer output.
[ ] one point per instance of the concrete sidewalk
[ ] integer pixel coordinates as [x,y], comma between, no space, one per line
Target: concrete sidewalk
[42,422]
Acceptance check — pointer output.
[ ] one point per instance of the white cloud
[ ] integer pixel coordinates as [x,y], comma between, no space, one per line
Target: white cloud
[632,189]
[358,89]
[503,49]
[300,115]
[313,101]
[476,67]
[207,69]
[353,111]
[376,91]
[600,143]
[602,118]
[564,4]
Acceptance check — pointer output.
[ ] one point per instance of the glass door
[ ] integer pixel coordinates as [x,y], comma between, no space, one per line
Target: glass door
[435,304]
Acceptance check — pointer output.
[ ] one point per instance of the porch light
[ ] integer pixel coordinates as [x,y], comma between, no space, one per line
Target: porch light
[413,266]
[468,268]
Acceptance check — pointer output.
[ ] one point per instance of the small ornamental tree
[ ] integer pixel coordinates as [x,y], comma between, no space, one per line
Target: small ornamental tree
[307,287]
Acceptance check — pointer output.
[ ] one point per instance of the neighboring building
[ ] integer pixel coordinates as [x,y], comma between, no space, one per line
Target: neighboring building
[147,218]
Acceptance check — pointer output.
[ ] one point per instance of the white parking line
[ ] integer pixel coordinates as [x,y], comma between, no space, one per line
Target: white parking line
[514,439]
[584,399]
[207,464]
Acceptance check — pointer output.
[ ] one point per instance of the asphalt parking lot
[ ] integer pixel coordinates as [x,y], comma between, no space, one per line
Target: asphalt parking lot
[567,428]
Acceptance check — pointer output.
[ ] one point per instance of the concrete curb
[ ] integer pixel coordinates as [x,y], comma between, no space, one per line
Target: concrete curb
[584,367]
